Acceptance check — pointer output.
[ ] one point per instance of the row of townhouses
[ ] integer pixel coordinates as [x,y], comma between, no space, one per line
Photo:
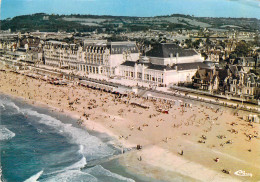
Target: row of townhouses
[164,64]
[232,81]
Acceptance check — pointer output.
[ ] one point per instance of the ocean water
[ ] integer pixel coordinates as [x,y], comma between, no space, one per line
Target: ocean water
[202,8]
[38,145]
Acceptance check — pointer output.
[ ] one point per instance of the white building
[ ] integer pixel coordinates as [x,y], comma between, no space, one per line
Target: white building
[63,55]
[163,65]
[102,57]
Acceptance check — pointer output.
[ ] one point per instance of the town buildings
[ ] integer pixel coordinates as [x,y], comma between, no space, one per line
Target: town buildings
[93,57]
[233,82]
[62,55]
[157,64]
[164,64]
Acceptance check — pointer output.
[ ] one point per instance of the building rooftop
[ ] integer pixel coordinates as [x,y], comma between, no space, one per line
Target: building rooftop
[190,66]
[166,50]
[180,67]
[159,67]
[121,47]
[56,42]
[128,63]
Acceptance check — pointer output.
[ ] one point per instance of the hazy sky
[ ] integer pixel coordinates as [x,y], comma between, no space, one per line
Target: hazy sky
[212,8]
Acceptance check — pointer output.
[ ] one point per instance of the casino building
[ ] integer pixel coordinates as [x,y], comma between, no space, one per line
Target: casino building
[163,65]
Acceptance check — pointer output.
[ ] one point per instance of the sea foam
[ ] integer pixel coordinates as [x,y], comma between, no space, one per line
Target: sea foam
[100,172]
[90,146]
[2,105]
[0,173]
[94,174]
[71,175]
[11,104]
[35,177]
[6,134]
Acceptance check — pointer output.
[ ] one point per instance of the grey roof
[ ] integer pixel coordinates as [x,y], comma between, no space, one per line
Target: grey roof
[159,67]
[165,50]
[128,63]
[120,47]
[184,66]
[56,42]
[190,66]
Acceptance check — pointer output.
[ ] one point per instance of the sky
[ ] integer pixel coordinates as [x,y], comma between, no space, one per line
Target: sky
[202,8]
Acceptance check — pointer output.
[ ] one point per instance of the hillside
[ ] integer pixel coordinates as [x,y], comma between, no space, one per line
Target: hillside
[88,23]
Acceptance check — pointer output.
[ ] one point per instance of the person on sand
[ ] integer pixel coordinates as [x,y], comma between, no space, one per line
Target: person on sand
[216,160]
[181,153]
[140,158]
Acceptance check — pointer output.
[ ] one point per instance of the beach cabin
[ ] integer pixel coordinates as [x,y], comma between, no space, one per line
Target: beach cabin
[187,105]
[253,118]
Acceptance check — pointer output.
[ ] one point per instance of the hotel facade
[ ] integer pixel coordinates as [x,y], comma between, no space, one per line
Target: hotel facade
[93,57]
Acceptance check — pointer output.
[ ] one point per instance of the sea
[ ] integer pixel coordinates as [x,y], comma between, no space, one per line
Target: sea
[200,8]
[37,144]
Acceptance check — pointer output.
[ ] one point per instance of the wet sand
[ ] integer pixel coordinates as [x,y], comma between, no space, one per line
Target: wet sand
[196,143]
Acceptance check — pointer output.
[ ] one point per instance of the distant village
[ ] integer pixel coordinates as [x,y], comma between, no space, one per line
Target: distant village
[217,63]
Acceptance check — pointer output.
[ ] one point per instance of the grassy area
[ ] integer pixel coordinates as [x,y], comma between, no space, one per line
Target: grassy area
[88,23]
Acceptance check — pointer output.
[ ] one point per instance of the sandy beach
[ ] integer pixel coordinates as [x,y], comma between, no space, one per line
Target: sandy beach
[195,142]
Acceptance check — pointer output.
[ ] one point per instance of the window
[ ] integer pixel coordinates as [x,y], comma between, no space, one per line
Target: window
[139,75]
[146,77]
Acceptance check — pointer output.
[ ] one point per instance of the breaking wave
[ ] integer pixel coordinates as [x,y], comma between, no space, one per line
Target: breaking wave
[11,104]
[6,134]
[91,146]
[0,173]
[35,177]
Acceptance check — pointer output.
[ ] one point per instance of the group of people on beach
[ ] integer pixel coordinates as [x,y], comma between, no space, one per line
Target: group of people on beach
[198,123]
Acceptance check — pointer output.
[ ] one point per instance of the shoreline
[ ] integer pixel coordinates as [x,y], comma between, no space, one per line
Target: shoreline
[161,146]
